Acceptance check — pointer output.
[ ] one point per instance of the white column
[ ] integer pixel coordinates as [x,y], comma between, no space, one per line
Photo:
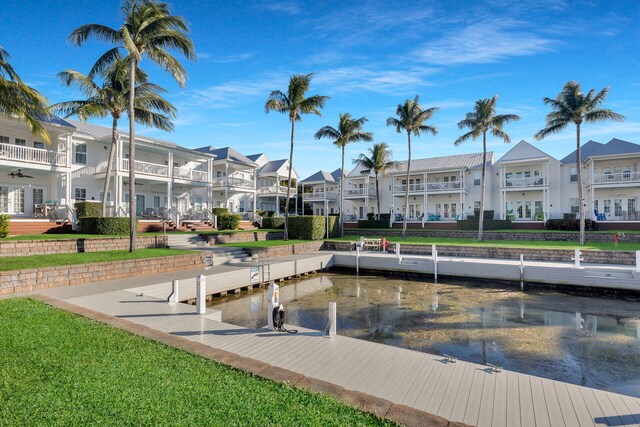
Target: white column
[209,183]
[226,184]
[424,198]
[170,182]
[255,189]
[593,191]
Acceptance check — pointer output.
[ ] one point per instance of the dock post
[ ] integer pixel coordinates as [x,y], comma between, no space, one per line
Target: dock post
[201,294]
[397,250]
[174,296]
[638,261]
[434,255]
[330,329]
[522,272]
[357,259]
[576,258]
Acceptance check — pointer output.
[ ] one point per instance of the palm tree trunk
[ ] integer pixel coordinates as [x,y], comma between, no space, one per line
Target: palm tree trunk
[132,158]
[286,206]
[377,196]
[341,197]
[580,189]
[112,153]
[406,193]
[482,191]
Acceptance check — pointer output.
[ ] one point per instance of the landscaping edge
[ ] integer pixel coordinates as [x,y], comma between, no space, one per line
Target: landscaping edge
[65,246]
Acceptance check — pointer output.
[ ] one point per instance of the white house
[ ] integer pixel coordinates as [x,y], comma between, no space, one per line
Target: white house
[321,191]
[271,183]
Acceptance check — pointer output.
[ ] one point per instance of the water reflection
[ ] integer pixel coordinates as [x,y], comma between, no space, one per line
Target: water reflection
[578,339]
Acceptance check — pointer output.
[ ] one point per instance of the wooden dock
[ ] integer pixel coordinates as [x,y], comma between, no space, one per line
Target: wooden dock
[458,391]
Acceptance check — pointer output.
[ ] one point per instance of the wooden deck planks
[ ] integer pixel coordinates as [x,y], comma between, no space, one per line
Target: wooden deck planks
[462,396]
[499,418]
[540,404]
[485,415]
[472,410]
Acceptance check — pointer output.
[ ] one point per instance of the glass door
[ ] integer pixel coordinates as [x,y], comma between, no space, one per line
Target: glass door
[140,199]
[4,199]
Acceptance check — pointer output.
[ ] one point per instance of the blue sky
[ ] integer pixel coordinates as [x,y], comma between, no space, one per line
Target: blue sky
[368,56]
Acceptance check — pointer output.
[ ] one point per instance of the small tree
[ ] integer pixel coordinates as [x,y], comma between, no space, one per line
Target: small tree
[380,161]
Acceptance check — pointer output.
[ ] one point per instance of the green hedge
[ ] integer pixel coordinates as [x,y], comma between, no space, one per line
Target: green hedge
[104,225]
[219,211]
[306,227]
[488,224]
[88,209]
[4,225]
[570,225]
[374,223]
[273,222]
[266,214]
[228,221]
[334,226]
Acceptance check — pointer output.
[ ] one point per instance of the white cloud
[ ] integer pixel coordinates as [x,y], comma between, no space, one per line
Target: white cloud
[232,58]
[286,7]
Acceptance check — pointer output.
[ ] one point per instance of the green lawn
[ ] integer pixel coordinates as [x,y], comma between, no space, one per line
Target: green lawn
[502,243]
[264,243]
[39,261]
[513,230]
[61,369]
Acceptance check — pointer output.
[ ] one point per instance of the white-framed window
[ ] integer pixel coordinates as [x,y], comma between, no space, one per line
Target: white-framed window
[477,182]
[38,144]
[38,196]
[108,196]
[241,204]
[573,175]
[476,205]
[4,139]
[81,194]
[21,142]
[156,202]
[575,205]
[81,154]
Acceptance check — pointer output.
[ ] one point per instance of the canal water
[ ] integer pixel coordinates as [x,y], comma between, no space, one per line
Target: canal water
[582,339]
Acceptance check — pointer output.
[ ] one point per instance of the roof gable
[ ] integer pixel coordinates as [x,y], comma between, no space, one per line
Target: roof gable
[320,176]
[460,161]
[591,148]
[522,151]
[227,153]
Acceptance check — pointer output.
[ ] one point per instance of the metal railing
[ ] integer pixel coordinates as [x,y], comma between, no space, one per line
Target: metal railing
[147,168]
[32,155]
[211,217]
[616,177]
[359,192]
[276,189]
[253,216]
[319,196]
[525,182]
[232,182]
[445,186]
[418,187]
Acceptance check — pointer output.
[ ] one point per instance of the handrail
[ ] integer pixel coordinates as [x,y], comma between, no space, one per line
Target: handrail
[212,217]
[174,216]
[32,155]
[253,216]
[121,209]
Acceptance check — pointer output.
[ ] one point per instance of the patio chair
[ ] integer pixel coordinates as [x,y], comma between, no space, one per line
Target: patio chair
[599,216]
[539,217]
[399,217]
[148,213]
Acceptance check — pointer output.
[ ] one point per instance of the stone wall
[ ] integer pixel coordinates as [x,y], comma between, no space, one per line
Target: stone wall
[284,250]
[531,254]
[218,239]
[65,246]
[54,277]
[495,235]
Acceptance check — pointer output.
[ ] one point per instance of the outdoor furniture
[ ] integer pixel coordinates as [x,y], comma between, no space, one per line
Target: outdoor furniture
[539,217]
[511,217]
[399,217]
[433,217]
[599,216]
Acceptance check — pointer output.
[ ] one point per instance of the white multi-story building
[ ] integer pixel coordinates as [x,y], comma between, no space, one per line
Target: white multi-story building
[272,177]
[321,192]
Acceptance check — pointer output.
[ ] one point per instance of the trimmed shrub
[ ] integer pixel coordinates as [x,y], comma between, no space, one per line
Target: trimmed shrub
[4,225]
[472,223]
[374,223]
[88,209]
[487,214]
[266,214]
[334,226]
[272,222]
[228,221]
[219,211]
[306,227]
[370,216]
[104,225]
[570,225]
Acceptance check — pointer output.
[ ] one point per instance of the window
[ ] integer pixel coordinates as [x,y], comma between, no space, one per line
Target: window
[631,205]
[81,194]
[21,142]
[241,203]
[617,207]
[538,207]
[108,196]
[156,202]
[574,175]
[4,139]
[38,196]
[4,199]
[476,205]
[575,205]
[38,144]
[607,207]
[476,181]
[81,154]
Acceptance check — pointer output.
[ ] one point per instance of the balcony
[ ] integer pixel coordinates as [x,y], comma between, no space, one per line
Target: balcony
[38,156]
[525,182]
[413,188]
[146,168]
[359,193]
[436,187]
[319,196]
[189,174]
[229,182]
[615,178]
[276,190]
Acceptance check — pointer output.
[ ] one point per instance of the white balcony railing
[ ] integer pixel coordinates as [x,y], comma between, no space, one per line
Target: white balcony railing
[525,182]
[147,168]
[445,186]
[618,177]
[413,188]
[32,155]
[232,182]
[319,196]
[359,192]
[274,190]
[189,174]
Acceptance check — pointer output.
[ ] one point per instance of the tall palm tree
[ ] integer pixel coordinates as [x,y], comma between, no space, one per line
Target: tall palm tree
[148,29]
[349,130]
[481,120]
[110,97]
[294,103]
[411,118]
[20,100]
[573,106]
[380,161]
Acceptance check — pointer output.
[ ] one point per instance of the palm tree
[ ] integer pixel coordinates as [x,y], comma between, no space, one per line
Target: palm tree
[573,106]
[349,130]
[20,100]
[411,118]
[379,161]
[111,98]
[294,104]
[148,29]
[481,120]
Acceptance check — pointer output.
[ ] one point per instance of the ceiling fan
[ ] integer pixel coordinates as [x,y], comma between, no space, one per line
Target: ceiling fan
[19,174]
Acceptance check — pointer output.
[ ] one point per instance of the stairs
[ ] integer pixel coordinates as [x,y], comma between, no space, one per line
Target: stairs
[221,254]
[197,225]
[248,225]
[186,241]
[227,254]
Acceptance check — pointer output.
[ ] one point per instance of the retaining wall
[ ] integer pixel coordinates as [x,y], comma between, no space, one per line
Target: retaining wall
[278,251]
[65,246]
[54,277]
[218,239]
[555,255]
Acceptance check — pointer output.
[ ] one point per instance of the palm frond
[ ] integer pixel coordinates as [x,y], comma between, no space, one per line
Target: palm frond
[100,32]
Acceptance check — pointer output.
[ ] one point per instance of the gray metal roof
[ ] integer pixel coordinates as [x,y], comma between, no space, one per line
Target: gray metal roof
[227,153]
[593,149]
[320,176]
[337,174]
[459,161]
[272,166]
[254,157]
[57,121]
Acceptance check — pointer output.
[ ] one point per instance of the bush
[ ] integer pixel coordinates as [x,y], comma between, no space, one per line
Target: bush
[487,214]
[273,223]
[570,225]
[88,209]
[472,223]
[374,223]
[4,225]
[228,221]
[219,211]
[370,216]
[266,214]
[104,225]
[569,215]
[306,227]
[334,226]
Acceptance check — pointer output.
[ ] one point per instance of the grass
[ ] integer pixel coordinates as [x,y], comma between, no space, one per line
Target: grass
[51,260]
[503,243]
[264,243]
[61,369]
[512,230]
